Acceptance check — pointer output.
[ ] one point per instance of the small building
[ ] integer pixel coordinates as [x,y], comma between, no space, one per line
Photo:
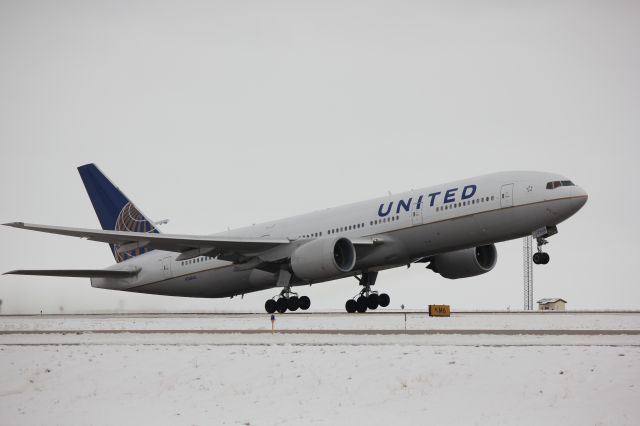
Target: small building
[551,304]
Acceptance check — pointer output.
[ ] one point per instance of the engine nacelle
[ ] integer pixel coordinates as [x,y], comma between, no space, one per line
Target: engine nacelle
[323,258]
[465,263]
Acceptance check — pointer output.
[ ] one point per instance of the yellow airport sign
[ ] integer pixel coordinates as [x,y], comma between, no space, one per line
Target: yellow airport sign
[439,311]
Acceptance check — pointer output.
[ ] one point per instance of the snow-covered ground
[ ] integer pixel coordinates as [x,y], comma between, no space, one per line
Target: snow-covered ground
[330,379]
[330,321]
[296,385]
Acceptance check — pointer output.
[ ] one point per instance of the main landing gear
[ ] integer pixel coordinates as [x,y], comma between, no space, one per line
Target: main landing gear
[287,301]
[367,299]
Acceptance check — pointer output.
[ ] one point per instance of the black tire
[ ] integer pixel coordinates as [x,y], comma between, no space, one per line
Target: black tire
[372,301]
[293,304]
[270,306]
[351,306]
[361,304]
[281,305]
[545,258]
[304,302]
[537,258]
[384,300]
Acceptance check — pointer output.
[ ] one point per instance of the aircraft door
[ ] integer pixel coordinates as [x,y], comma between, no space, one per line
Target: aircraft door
[416,215]
[506,195]
[166,267]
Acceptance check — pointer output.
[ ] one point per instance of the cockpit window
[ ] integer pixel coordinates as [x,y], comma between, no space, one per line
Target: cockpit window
[558,183]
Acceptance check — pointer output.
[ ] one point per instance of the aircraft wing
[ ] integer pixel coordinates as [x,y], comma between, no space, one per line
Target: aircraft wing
[76,273]
[189,245]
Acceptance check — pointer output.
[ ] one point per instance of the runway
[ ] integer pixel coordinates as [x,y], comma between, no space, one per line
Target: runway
[345,332]
[328,328]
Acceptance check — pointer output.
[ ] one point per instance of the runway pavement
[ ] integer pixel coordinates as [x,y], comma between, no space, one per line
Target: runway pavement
[329,328]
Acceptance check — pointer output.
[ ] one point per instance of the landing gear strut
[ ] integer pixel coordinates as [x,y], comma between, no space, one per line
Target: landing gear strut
[367,299]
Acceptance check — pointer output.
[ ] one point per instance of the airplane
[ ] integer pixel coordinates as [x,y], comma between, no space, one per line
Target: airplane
[453,228]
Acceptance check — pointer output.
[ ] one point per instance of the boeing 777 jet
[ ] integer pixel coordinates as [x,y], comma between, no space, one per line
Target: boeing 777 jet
[452,228]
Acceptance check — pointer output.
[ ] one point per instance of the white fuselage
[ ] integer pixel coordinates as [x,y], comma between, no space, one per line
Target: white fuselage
[409,226]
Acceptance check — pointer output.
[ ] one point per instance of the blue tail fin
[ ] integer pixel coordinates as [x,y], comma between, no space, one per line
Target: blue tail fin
[114,210]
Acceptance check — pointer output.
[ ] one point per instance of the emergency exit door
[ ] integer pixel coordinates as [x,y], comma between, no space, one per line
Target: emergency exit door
[166,267]
[506,195]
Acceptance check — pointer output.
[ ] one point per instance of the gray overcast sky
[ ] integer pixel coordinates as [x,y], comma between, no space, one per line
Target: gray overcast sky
[223,114]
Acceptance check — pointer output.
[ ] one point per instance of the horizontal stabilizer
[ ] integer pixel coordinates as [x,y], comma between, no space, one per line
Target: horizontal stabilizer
[76,273]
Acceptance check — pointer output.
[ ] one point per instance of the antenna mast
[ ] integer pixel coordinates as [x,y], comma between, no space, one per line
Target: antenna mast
[527,269]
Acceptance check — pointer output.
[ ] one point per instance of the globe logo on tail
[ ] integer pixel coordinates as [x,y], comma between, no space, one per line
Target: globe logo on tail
[131,220]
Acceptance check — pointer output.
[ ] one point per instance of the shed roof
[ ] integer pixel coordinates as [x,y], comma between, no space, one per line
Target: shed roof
[550,300]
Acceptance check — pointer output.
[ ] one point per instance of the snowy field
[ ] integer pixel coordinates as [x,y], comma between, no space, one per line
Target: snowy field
[122,376]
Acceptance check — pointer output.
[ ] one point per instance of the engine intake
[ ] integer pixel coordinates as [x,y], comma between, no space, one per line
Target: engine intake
[323,258]
[465,263]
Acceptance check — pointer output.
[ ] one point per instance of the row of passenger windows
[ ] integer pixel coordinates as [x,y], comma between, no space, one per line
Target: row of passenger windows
[384,220]
[395,218]
[351,227]
[345,228]
[464,203]
[558,183]
[195,260]
[312,235]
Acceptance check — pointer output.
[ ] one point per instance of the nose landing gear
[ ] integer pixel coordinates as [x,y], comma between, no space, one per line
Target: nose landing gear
[367,299]
[541,235]
[541,258]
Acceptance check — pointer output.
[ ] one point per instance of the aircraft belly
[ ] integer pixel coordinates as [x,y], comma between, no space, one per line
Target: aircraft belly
[213,283]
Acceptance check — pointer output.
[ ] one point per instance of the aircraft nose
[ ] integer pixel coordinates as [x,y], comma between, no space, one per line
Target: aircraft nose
[581,197]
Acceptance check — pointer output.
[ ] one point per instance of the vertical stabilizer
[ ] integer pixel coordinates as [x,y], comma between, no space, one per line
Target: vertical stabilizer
[114,210]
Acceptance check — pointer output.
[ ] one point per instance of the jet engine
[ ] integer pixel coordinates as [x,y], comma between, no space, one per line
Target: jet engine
[323,258]
[465,263]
